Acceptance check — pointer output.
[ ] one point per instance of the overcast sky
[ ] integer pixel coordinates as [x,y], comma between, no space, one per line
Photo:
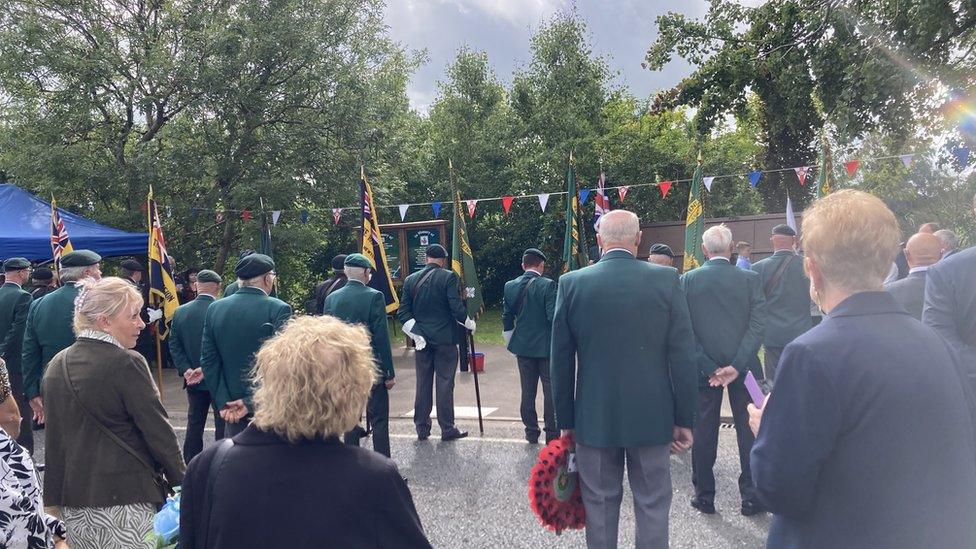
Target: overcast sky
[620,30]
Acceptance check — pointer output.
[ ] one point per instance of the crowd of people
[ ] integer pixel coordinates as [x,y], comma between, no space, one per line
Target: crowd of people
[866,438]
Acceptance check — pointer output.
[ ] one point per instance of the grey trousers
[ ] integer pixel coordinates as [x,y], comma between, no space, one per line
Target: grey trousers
[531,372]
[436,363]
[601,473]
[771,362]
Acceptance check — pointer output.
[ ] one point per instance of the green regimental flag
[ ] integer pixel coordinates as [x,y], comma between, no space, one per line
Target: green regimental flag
[462,260]
[825,177]
[574,252]
[695,222]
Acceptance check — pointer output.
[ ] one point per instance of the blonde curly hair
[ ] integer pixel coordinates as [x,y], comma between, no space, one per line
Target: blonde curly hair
[103,298]
[313,378]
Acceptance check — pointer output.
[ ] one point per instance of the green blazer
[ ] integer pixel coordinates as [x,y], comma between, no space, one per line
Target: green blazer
[232,288]
[14,306]
[186,336]
[623,351]
[49,330]
[438,307]
[788,304]
[233,331]
[532,326]
[726,305]
[358,304]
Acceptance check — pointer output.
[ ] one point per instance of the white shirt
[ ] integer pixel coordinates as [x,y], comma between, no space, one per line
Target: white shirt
[914,270]
[618,250]
[722,257]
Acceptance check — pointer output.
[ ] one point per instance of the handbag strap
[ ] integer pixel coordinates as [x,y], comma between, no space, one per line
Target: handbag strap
[774,280]
[216,464]
[423,279]
[521,298]
[101,426]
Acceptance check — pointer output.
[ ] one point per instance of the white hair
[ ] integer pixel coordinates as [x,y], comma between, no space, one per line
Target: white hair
[71,274]
[356,273]
[619,226]
[717,239]
[948,238]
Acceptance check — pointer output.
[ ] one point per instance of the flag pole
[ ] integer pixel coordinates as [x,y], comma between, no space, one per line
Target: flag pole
[159,347]
[477,388]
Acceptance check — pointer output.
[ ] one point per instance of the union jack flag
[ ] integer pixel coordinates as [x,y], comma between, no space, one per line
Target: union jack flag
[60,243]
[602,203]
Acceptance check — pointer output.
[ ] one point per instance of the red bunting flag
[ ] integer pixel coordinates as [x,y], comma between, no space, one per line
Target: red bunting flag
[506,203]
[851,166]
[622,192]
[246,215]
[664,186]
[801,174]
[471,204]
[336,212]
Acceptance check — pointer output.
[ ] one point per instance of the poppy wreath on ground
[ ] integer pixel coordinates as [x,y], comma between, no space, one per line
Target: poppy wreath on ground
[554,490]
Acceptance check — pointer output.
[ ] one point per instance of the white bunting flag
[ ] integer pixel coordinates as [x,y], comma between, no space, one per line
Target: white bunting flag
[708,182]
[622,192]
[274,217]
[403,211]
[471,205]
[906,159]
[543,201]
[801,174]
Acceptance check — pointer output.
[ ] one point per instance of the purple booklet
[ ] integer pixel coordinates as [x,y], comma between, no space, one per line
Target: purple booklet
[756,392]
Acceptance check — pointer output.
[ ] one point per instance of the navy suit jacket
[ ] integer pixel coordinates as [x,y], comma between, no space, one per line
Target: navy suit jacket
[950,304]
[867,439]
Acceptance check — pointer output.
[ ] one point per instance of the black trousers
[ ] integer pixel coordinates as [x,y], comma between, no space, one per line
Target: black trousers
[436,365]
[771,362]
[531,371]
[26,436]
[705,446]
[378,417]
[199,404]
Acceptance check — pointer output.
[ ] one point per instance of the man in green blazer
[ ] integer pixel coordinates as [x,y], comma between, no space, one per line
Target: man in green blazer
[528,307]
[14,304]
[50,322]
[185,339]
[357,303]
[726,306]
[787,292]
[624,381]
[431,309]
[233,331]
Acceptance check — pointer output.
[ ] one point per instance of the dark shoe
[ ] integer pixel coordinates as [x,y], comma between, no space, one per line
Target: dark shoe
[422,437]
[454,435]
[532,439]
[703,506]
[550,439]
[750,508]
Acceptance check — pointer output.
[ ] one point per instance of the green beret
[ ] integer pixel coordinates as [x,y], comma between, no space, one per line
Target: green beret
[661,249]
[133,266]
[536,252]
[436,251]
[207,275]
[783,230]
[252,266]
[42,274]
[80,258]
[15,264]
[358,260]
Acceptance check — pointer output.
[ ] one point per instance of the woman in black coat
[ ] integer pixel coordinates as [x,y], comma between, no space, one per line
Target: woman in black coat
[287,480]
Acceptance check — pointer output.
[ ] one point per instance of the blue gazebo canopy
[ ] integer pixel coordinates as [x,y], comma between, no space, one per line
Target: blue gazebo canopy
[25,229]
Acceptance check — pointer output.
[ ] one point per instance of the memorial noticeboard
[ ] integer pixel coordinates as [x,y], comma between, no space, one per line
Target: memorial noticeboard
[406,245]
[391,243]
[417,242]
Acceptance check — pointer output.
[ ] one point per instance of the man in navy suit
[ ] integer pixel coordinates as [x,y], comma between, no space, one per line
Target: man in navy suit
[922,251]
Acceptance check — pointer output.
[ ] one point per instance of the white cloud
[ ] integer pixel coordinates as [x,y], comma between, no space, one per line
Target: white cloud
[515,12]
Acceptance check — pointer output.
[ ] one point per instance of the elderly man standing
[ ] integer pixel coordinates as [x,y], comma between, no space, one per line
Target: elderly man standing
[14,304]
[50,323]
[233,331]
[527,311]
[726,306]
[787,293]
[357,303]
[623,380]
[949,240]
[922,251]
[185,340]
[661,254]
[431,308]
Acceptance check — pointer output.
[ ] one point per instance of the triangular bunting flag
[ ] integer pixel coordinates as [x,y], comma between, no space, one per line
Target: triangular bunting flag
[403,211]
[436,206]
[801,174]
[246,215]
[622,192]
[708,183]
[275,215]
[304,216]
[584,193]
[851,167]
[906,159]
[664,187]
[471,205]
[506,203]
[220,217]
[544,200]
[336,212]
[754,178]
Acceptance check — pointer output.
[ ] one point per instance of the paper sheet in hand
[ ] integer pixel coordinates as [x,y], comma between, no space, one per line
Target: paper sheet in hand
[758,397]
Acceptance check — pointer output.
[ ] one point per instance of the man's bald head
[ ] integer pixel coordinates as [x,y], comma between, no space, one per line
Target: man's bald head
[922,250]
[929,228]
[619,229]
